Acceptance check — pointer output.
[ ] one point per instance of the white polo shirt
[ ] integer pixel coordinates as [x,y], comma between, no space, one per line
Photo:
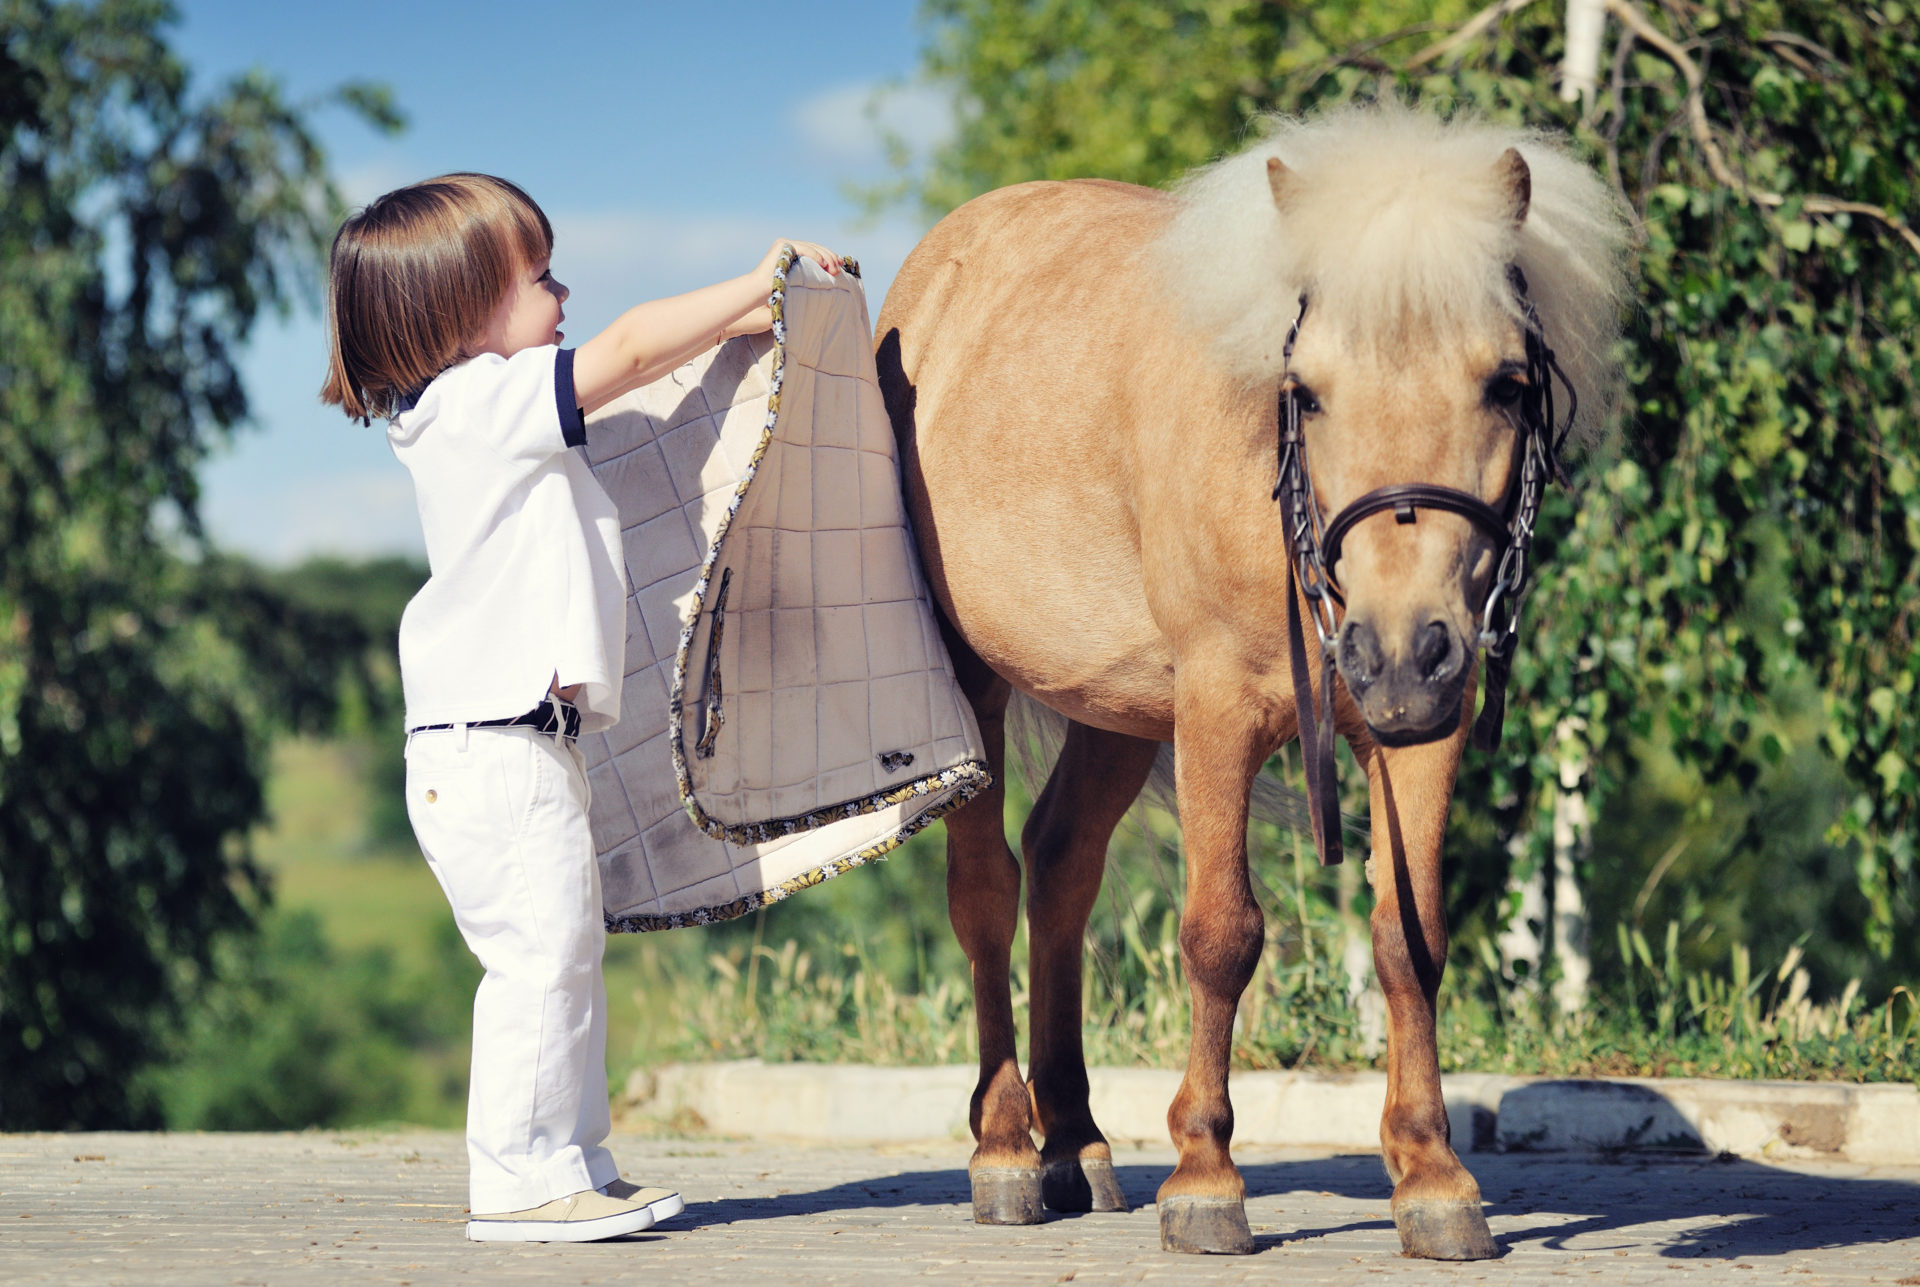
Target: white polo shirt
[529,581]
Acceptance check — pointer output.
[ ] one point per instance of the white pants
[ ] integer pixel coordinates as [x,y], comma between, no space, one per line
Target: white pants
[501,814]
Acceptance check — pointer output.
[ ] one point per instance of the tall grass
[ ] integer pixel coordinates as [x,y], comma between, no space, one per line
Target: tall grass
[1302,1010]
[353,1005]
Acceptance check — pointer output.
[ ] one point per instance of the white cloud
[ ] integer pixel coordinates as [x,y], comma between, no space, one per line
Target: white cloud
[375,178]
[851,122]
[678,252]
[354,515]
[614,260]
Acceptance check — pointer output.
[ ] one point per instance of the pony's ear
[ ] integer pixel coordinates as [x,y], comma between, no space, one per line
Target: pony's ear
[1280,179]
[1516,181]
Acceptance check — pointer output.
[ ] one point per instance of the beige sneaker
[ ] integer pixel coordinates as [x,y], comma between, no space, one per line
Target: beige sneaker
[586,1216]
[664,1203]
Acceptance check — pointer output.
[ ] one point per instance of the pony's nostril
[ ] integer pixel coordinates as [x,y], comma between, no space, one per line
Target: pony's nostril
[1360,660]
[1433,650]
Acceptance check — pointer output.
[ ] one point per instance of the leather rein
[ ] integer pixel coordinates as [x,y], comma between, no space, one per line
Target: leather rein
[1314,550]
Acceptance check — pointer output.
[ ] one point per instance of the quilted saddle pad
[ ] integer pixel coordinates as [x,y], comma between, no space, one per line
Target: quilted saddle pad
[789,711]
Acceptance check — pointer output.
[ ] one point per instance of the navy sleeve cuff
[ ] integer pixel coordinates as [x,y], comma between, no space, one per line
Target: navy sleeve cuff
[573,421]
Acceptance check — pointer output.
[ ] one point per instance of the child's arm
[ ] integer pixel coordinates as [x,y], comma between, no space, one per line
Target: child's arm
[754,322]
[648,341]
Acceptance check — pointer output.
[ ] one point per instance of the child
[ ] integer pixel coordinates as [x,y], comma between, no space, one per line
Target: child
[443,318]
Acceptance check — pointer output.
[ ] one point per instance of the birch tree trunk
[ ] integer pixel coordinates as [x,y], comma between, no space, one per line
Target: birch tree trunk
[1523,943]
[1580,68]
[1573,964]
[1572,842]
[1356,962]
[1549,925]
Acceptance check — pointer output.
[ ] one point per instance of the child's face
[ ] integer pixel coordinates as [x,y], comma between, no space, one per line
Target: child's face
[530,315]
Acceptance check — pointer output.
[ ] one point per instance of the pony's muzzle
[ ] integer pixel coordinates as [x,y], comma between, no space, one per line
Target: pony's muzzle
[1408,684]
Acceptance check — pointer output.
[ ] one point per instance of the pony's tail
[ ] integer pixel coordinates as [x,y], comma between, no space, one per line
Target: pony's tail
[1035,734]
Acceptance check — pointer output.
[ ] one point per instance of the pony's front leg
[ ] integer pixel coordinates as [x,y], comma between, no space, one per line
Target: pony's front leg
[1219,743]
[1436,1202]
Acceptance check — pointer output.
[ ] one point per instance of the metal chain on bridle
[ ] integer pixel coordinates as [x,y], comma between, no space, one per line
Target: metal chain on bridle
[1314,551]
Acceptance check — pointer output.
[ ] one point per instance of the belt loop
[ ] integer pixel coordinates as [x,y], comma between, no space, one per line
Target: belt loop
[461,731]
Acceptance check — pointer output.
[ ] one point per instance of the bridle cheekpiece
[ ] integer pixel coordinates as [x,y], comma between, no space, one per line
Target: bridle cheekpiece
[1314,550]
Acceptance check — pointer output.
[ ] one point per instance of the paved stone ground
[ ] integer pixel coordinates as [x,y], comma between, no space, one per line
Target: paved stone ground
[387,1208]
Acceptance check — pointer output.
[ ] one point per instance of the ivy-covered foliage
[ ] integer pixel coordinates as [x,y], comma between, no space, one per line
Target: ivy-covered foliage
[1758,532]
[142,232]
[1735,583]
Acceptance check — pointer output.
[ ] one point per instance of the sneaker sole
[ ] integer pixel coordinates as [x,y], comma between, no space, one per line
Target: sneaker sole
[612,1226]
[667,1208]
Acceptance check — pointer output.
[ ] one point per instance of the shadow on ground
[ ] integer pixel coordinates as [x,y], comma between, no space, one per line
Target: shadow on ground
[1751,1209]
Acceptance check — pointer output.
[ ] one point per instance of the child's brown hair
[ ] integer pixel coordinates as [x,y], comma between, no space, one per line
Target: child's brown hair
[413,279]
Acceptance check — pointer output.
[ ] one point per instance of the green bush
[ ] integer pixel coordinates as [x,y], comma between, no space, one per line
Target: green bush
[297,1033]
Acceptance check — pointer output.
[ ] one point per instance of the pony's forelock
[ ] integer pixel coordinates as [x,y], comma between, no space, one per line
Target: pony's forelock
[1395,220]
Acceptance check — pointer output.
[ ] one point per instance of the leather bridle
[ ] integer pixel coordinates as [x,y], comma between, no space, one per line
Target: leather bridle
[1314,550]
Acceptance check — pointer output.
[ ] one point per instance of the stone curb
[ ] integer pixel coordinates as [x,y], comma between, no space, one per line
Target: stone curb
[1770,1120]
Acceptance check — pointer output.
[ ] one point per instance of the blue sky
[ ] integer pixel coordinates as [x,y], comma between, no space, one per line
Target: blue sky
[668,143]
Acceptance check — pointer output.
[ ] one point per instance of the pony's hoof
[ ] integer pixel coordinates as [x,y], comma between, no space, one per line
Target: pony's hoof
[1082,1184]
[1003,1196]
[1205,1226]
[1444,1230]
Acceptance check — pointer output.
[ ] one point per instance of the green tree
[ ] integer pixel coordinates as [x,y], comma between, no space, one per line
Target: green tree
[1735,586]
[1135,90]
[1756,540]
[371,595]
[143,232]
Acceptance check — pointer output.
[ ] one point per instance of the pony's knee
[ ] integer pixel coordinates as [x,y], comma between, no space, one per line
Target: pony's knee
[1407,951]
[1220,946]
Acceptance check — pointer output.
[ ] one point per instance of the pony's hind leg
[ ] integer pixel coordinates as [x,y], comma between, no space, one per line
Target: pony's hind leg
[1065,845]
[983,904]
[1436,1202]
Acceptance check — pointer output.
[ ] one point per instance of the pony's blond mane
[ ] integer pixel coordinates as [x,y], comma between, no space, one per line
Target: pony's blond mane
[1395,221]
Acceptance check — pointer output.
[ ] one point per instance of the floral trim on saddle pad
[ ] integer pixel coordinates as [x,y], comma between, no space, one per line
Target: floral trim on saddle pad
[967,781]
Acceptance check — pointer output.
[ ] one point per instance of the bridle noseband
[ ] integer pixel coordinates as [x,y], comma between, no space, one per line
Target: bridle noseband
[1314,550]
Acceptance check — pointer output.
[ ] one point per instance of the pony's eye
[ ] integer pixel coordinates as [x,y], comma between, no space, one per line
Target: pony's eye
[1506,391]
[1303,398]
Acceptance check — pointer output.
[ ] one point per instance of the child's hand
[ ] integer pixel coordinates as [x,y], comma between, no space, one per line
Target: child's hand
[646,342]
[806,250]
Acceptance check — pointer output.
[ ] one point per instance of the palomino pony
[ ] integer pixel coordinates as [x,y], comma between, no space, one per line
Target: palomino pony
[1096,388]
